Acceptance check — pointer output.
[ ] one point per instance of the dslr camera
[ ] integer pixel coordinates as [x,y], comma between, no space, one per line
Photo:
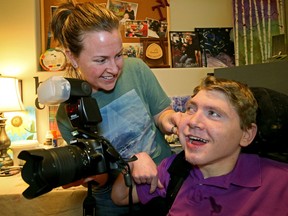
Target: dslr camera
[88,154]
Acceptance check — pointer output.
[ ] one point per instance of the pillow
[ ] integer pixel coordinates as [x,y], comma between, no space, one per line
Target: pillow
[178,102]
[272,120]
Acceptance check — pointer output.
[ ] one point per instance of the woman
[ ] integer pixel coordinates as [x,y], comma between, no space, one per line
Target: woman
[134,108]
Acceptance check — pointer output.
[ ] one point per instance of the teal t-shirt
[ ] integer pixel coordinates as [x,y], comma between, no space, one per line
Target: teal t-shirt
[127,113]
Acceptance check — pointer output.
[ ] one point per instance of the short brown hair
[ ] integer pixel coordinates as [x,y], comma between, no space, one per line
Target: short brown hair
[239,95]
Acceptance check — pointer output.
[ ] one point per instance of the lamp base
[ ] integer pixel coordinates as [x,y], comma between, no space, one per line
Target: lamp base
[5,159]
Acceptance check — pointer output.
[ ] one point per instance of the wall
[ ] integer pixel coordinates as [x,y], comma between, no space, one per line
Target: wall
[18,37]
[187,14]
[20,45]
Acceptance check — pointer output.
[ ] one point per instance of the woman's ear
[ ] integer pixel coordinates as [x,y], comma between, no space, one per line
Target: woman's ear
[248,135]
[71,58]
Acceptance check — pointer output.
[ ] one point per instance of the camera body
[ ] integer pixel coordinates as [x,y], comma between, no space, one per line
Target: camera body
[88,154]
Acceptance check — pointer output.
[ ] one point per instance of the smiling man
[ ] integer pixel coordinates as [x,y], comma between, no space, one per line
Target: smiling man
[220,119]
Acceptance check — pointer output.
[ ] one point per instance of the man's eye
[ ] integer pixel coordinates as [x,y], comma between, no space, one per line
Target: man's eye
[190,109]
[213,113]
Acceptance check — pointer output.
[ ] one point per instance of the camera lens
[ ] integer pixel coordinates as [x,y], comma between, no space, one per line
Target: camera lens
[46,169]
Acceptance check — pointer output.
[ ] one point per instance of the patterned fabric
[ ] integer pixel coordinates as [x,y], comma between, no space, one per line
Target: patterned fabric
[178,102]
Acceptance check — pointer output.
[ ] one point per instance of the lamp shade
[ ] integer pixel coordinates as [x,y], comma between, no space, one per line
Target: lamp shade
[10,99]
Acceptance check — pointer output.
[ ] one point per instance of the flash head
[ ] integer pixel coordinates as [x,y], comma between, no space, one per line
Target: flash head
[57,89]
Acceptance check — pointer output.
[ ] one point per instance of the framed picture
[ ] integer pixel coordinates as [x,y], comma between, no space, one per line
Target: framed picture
[260,31]
[124,10]
[136,29]
[155,52]
[132,50]
[156,28]
[185,49]
[217,47]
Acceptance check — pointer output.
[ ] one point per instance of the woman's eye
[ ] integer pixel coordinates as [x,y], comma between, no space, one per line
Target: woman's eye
[101,61]
[119,55]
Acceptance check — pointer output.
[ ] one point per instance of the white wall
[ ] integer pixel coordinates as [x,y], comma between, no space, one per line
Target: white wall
[20,45]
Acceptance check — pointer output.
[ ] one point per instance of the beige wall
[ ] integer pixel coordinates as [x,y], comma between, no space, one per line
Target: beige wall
[20,45]
[189,14]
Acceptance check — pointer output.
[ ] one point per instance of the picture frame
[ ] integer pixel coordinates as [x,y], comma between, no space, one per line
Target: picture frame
[156,28]
[217,46]
[120,8]
[155,52]
[133,50]
[136,29]
[185,49]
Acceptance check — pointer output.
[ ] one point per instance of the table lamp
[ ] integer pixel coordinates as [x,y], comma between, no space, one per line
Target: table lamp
[10,101]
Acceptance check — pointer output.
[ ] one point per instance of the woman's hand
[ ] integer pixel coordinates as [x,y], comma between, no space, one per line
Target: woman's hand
[144,171]
[168,120]
[101,179]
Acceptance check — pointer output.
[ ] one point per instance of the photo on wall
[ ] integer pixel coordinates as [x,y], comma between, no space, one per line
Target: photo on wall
[132,50]
[257,25]
[136,29]
[156,28]
[217,47]
[124,10]
[185,49]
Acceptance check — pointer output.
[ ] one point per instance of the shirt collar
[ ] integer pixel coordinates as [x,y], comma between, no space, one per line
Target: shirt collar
[246,173]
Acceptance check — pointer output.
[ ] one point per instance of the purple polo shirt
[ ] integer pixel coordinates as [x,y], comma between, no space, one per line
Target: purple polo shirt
[256,187]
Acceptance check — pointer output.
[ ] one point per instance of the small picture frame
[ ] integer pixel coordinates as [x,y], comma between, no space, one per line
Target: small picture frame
[136,29]
[157,29]
[185,49]
[155,52]
[132,50]
[124,10]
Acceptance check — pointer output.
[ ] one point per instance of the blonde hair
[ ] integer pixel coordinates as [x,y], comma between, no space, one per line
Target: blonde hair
[72,20]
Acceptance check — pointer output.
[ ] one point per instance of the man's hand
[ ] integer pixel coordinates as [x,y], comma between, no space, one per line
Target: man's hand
[144,171]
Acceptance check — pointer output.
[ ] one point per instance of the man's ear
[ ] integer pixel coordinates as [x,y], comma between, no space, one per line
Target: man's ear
[71,58]
[248,135]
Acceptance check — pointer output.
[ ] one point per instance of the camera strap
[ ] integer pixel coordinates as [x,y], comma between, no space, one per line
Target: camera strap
[89,204]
